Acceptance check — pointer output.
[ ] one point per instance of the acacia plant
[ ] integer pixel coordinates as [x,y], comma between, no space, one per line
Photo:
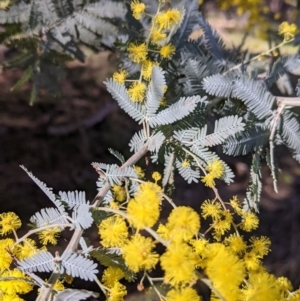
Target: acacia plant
[172,87]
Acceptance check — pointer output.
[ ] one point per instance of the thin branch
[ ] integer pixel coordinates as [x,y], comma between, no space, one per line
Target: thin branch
[39,230]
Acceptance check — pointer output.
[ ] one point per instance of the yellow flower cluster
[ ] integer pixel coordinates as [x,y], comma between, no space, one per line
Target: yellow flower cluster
[232,264]
[145,53]
[16,281]
[215,170]
[288,31]
[13,281]
[110,279]
[143,210]
[113,232]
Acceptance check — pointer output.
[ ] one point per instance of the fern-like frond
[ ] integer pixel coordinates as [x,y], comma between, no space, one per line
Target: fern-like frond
[224,127]
[117,154]
[219,85]
[107,9]
[291,131]
[155,142]
[46,190]
[16,14]
[176,111]
[82,217]
[133,187]
[189,173]
[195,71]
[73,198]
[108,197]
[247,141]
[119,93]
[76,265]
[70,294]
[114,173]
[48,216]
[287,63]
[99,215]
[83,244]
[112,258]
[91,24]
[155,91]
[42,261]
[137,141]
[254,187]
[188,24]
[213,42]
[255,96]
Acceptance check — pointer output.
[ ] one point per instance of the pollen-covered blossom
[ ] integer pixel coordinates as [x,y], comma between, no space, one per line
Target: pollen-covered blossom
[139,171]
[138,254]
[119,193]
[288,31]
[199,246]
[284,284]
[183,223]
[156,176]
[215,170]
[26,249]
[157,35]
[167,51]
[137,52]
[151,191]
[212,209]
[147,69]
[235,204]
[9,222]
[260,245]
[261,286]
[120,76]
[6,246]
[15,286]
[137,8]
[216,167]
[168,19]
[208,180]
[250,221]
[137,91]
[186,293]
[112,275]
[144,209]
[235,243]
[117,292]
[221,265]
[113,232]
[252,261]
[142,212]
[179,262]
[49,235]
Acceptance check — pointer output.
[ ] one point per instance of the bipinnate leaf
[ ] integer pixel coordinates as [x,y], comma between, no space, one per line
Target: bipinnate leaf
[39,262]
[78,266]
[82,217]
[120,94]
[73,198]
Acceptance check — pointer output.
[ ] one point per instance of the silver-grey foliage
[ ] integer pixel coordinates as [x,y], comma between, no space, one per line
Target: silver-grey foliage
[74,295]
